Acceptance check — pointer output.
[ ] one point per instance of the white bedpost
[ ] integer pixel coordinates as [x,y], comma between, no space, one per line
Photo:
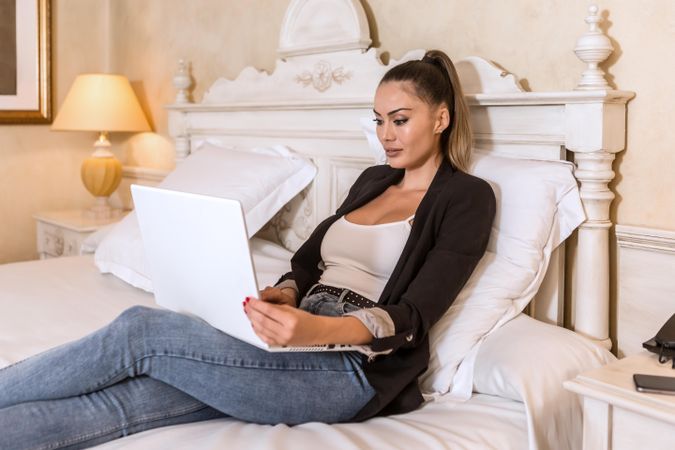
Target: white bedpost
[595,131]
[177,119]
[593,47]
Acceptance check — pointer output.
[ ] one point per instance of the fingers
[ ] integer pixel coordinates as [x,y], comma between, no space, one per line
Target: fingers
[259,309]
[267,321]
[267,336]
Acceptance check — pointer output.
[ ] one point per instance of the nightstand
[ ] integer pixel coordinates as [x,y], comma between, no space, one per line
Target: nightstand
[61,233]
[618,417]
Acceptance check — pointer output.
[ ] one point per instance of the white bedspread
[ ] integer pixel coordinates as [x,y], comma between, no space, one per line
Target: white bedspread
[484,422]
[46,303]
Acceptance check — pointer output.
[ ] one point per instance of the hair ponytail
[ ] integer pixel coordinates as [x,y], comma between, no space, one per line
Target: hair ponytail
[436,82]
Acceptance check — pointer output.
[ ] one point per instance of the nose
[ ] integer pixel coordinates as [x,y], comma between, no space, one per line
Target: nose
[388,131]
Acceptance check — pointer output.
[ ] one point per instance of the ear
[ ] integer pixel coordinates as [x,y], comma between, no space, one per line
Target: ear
[442,119]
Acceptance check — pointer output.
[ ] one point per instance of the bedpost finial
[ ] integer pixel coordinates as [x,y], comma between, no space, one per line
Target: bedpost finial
[182,82]
[593,47]
[593,19]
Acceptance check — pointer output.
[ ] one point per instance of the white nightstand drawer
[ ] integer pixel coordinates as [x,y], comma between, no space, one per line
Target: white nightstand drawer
[50,240]
[55,241]
[61,233]
[632,431]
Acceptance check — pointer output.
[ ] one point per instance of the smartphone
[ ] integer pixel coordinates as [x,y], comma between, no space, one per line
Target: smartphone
[654,384]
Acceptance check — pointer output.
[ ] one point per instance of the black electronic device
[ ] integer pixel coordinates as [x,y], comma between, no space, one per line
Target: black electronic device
[654,384]
[663,344]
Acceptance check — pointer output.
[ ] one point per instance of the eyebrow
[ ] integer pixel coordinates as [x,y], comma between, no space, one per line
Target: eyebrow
[390,113]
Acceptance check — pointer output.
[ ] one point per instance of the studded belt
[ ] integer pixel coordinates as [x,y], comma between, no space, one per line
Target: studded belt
[344,295]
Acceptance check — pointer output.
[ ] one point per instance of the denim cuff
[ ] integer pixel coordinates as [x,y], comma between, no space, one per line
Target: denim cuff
[377,320]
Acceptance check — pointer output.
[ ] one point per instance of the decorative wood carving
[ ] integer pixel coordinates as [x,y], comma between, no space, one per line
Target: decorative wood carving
[182,82]
[593,47]
[323,76]
[322,26]
[480,76]
[289,80]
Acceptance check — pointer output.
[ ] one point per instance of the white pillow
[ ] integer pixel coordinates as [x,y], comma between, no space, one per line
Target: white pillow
[262,179]
[91,242]
[538,206]
[368,127]
[528,360]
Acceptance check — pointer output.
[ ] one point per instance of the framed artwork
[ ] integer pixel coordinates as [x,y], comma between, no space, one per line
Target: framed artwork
[25,61]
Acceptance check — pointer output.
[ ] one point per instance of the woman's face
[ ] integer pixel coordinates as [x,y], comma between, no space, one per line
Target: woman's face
[408,128]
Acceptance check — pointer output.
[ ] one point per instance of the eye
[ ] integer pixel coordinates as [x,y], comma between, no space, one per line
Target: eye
[399,122]
[378,121]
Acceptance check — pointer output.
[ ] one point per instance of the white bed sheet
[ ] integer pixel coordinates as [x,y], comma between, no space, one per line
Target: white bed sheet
[46,303]
[483,422]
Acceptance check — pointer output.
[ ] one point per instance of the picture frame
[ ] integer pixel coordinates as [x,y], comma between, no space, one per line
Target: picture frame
[25,62]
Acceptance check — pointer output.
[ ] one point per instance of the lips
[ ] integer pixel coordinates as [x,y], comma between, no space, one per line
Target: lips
[392,151]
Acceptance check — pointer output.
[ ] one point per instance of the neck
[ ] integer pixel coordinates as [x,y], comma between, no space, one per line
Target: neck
[419,178]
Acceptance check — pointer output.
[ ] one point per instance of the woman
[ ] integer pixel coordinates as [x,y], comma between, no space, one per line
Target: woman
[379,273]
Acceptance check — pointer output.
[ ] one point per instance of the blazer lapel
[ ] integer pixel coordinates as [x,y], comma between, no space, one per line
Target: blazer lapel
[439,182]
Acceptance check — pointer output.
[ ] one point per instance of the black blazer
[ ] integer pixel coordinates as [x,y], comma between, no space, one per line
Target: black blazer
[448,237]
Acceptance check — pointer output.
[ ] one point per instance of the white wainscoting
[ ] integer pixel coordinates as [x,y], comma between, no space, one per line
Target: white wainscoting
[646,294]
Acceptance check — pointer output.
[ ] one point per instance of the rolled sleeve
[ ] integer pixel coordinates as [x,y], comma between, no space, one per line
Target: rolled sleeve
[380,325]
[377,321]
[288,284]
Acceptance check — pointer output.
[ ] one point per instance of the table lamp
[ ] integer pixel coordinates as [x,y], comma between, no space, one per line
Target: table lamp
[102,103]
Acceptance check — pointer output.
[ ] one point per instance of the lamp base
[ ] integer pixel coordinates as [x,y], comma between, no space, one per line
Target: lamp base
[101,173]
[101,210]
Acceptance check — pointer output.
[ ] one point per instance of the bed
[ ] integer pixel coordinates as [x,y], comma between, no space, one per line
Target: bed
[548,156]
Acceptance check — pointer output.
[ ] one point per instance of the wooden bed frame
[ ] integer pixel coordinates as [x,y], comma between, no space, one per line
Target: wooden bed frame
[324,84]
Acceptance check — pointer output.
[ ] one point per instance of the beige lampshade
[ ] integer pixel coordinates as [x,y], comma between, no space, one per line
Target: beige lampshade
[101,102]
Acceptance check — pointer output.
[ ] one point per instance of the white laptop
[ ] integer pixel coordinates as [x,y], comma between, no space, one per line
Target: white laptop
[200,262]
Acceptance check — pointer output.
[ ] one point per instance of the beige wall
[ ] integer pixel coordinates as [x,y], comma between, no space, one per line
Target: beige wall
[218,37]
[39,169]
[531,38]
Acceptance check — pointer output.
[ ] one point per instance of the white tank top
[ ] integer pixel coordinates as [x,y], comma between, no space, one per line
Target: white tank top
[362,257]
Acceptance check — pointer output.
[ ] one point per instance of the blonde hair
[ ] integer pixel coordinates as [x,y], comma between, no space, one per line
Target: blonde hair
[435,81]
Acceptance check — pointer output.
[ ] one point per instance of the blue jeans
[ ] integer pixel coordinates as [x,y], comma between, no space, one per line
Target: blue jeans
[150,368]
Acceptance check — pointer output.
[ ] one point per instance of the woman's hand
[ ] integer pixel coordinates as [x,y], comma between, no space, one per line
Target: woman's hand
[281,324]
[286,325]
[286,296]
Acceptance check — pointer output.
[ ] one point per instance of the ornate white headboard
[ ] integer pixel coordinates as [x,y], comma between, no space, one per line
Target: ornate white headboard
[324,83]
